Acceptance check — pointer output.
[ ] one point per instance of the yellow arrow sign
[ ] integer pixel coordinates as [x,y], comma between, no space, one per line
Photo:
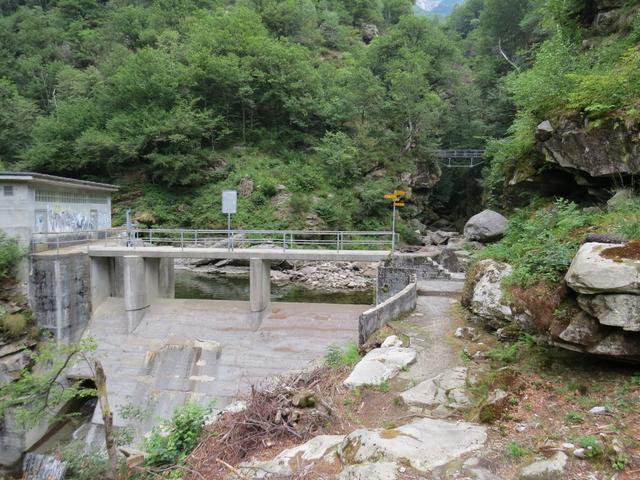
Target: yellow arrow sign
[399,193]
[399,204]
[391,196]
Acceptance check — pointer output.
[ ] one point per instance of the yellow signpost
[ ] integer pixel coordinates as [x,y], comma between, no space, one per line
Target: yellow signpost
[398,201]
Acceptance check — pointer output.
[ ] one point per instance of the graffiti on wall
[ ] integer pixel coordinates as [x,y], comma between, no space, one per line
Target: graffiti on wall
[60,219]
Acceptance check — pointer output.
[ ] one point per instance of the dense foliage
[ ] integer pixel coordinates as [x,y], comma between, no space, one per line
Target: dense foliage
[173,99]
[10,254]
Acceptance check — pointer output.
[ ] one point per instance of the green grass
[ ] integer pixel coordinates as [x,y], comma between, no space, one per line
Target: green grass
[574,418]
[593,447]
[338,357]
[515,450]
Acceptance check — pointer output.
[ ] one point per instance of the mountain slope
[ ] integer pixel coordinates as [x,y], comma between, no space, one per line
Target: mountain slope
[439,7]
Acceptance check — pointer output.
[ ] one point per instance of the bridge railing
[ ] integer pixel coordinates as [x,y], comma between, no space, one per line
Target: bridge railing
[284,239]
[137,238]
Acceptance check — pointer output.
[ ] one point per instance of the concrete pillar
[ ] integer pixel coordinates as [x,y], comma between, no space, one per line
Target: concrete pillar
[100,281]
[136,301]
[167,280]
[259,284]
[152,277]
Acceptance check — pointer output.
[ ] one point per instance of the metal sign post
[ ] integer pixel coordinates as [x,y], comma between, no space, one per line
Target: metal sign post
[398,201]
[230,207]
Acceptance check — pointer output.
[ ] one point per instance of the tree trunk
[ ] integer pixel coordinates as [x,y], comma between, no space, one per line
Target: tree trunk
[107,418]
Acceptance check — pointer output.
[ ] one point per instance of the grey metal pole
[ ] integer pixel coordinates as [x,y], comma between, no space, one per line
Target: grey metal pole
[393,229]
[229,245]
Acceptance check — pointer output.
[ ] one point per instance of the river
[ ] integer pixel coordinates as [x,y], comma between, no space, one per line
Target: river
[206,286]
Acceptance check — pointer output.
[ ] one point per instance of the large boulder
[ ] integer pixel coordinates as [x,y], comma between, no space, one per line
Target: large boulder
[616,310]
[487,299]
[486,226]
[591,272]
[424,444]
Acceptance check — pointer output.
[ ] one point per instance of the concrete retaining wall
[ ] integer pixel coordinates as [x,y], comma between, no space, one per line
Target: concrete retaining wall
[395,274]
[60,294]
[394,307]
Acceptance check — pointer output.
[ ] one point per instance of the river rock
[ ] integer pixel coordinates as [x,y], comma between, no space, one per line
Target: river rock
[424,444]
[379,365]
[320,448]
[486,300]
[583,330]
[370,471]
[592,273]
[446,389]
[548,469]
[486,226]
[616,310]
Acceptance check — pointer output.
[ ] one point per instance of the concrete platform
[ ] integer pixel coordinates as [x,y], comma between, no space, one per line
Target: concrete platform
[243,253]
[208,350]
[440,288]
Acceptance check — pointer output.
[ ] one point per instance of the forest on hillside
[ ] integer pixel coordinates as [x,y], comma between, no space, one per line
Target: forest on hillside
[320,106]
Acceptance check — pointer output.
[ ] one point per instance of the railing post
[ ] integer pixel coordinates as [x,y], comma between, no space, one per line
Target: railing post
[195,240]
[151,238]
[284,241]
[232,240]
[182,240]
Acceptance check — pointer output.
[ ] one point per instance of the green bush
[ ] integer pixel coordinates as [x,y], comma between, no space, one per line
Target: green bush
[10,254]
[170,442]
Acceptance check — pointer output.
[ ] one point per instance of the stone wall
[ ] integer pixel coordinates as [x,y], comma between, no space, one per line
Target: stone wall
[394,307]
[60,294]
[395,274]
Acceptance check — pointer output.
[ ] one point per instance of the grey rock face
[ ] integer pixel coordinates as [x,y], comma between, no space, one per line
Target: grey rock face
[379,365]
[549,469]
[617,310]
[446,389]
[487,299]
[583,330]
[486,226]
[592,273]
[370,471]
[424,444]
[599,152]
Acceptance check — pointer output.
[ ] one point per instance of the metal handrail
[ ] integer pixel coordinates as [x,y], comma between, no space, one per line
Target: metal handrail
[190,238]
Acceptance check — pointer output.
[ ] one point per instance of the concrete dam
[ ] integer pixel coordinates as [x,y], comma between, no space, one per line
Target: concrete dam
[160,352]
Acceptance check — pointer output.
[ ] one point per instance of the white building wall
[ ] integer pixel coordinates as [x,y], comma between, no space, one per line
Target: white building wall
[16,210]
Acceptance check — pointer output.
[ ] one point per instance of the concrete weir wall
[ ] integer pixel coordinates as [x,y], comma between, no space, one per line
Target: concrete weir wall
[394,307]
[60,293]
[64,290]
[397,272]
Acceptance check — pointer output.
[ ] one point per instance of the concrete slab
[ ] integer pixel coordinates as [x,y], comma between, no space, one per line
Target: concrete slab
[440,288]
[209,350]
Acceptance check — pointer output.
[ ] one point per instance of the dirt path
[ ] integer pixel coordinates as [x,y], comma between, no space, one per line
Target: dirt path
[430,330]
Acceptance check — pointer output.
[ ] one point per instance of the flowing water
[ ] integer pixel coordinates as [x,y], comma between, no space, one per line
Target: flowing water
[203,286]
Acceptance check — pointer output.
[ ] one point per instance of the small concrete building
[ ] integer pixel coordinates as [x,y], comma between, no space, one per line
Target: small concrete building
[35,203]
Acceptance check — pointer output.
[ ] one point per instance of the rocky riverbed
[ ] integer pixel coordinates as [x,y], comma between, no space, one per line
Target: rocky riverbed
[325,276]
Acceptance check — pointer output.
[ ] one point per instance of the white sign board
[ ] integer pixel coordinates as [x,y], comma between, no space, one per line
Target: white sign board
[229,201]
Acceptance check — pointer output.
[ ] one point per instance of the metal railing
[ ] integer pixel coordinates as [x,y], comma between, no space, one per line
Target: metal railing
[460,153]
[136,238]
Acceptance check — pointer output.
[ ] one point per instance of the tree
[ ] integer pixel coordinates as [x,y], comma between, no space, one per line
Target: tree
[17,117]
[42,389]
